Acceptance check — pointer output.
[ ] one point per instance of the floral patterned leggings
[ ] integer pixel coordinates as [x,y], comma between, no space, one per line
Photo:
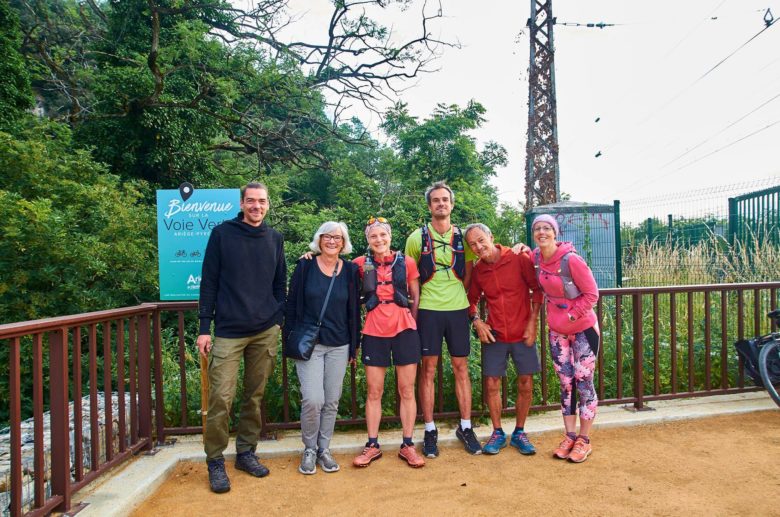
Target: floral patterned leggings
[574,358]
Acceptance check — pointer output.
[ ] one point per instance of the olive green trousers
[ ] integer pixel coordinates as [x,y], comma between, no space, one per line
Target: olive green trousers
[259,355]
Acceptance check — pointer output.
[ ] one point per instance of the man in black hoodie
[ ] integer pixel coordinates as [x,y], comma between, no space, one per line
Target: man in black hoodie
[242,290]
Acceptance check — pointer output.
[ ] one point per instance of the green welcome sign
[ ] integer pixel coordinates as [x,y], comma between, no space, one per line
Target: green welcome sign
[185,218]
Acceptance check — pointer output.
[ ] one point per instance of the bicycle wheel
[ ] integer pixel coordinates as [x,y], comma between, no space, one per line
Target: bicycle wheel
[769,366]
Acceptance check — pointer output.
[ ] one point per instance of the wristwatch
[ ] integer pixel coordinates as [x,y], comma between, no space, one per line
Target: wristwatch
[474,318]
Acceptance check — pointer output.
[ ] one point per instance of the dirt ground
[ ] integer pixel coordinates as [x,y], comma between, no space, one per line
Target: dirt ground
[728,465]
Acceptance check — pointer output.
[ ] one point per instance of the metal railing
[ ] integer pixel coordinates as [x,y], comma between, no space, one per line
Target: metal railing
[657,343]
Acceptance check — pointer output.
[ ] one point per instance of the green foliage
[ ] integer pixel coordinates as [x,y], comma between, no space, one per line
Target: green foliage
[73,236]
[15,94]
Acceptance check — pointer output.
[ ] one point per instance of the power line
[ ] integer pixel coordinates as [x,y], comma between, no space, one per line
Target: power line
[590,25]
[719,149]
[769,24]
[688,35]
[740,119]
[662,107]
[728,145]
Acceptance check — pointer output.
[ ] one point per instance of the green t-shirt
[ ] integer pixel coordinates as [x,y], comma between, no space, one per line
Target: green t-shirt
[443,292]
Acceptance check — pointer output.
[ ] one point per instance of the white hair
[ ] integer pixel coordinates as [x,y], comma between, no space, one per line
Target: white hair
[327,227]
[477,226]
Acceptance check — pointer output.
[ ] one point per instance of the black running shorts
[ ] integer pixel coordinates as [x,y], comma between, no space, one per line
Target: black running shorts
[452,326]
[404,348]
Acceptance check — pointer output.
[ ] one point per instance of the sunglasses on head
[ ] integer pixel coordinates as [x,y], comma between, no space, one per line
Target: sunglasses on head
[372,220]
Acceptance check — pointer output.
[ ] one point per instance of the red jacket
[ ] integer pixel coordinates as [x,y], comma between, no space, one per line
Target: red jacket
[506,284]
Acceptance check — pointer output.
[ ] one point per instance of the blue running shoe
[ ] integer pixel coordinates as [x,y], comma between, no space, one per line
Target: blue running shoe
[496,442]
[522,443]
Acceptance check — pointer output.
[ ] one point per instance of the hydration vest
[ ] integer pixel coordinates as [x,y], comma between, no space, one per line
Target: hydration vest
[427,264]
[570,290]
[370,283]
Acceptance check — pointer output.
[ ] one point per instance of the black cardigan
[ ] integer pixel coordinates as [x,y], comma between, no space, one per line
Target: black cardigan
[294,307]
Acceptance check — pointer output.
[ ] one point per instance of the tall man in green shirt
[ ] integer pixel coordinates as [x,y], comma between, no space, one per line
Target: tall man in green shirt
[444,262]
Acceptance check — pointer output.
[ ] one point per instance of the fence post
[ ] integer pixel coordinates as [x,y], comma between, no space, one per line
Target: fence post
[732,221]
[671,226]
[618,246]
[159,397]
[60,425]
[638,352]
[145,381]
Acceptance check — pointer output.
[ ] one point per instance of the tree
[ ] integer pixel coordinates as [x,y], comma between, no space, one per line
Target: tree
[440,148]
[61,219]
[15,94]
[172,88]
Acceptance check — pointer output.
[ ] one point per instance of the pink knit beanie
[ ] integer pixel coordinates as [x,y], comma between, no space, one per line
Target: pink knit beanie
[546,218]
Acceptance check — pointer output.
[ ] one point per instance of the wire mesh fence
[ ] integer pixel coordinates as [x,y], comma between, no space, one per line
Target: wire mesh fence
[726,233]
[712,235]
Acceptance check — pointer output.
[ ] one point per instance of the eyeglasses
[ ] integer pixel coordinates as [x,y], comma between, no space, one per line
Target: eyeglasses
[329,237]
[372,220]
[538,229]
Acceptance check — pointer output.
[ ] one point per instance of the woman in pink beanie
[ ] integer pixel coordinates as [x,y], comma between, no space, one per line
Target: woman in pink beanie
[570,294]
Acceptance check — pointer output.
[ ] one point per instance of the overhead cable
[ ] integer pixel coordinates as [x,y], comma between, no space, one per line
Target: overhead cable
[719,149]
[740,119]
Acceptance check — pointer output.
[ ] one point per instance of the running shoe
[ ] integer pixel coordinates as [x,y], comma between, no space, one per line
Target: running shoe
[495,443]
[409,454]
[326,462]
[580,451]
[564,448]
[522,443]
[308,464]
[430,444]
[469,439]
[369,454]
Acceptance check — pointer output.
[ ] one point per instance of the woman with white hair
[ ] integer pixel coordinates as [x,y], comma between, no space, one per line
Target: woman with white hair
[322,376]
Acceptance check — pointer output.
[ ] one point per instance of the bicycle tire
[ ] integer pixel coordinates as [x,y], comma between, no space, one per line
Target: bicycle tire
[769,366]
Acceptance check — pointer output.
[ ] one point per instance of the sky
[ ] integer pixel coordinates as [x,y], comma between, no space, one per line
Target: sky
[669,119]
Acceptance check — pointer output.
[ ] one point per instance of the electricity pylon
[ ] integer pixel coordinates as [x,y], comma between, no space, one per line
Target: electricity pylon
[542,173]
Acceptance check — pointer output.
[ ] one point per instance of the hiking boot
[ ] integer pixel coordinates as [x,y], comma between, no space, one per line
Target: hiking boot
[308,464]
[218,479]
[409,454]
[430,447]
[522,443]
[564,448]
[495,443]
[326,461]
[580,451]
[469,439]
[369,454]
[247,461]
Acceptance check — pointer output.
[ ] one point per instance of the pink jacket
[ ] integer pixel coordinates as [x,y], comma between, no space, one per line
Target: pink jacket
[568,316]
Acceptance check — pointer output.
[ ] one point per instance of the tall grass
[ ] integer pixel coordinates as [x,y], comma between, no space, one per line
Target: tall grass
[710,261]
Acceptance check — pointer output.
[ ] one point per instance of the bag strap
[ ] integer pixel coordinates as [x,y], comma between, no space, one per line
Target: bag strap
[327,296]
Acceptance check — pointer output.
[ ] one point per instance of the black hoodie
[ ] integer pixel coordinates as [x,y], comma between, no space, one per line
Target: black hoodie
[242,286]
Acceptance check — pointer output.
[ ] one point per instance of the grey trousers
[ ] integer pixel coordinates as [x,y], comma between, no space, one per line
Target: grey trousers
[321,379]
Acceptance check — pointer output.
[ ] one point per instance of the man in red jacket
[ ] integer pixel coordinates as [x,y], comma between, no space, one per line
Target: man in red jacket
[506,280]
